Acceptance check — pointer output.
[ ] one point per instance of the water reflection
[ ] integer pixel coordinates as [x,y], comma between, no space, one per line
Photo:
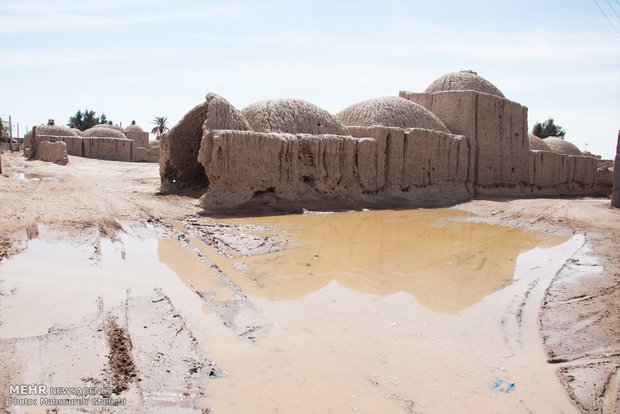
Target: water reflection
[446,265]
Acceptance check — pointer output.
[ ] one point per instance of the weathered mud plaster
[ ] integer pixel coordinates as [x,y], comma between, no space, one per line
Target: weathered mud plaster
[53,152]
[178,159]
[302,167]
[105,142]
[503,158]
[459,138]
[496,127]
[366,164]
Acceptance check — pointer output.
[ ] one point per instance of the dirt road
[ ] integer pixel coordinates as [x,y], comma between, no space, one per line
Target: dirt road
[91,201]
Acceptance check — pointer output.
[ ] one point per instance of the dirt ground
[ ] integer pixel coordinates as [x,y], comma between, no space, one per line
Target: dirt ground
[579,319]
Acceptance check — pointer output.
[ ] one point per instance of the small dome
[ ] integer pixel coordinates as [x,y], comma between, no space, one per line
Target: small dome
[77,132]
[465,80]
[390,111]
[537,144]
[109,126]
[561,146]
[55,130]
[102,132]
[134,127]
[292,116]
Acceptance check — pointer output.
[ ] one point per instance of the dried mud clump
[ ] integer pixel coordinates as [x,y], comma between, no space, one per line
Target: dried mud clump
[122,369]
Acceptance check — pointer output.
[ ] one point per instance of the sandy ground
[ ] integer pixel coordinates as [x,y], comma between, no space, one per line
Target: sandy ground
[579,318]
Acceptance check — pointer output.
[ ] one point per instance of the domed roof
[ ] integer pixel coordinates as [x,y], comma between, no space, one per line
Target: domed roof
[77,132]
[102,132]
[134,127]
[110,126]
[537,144]
[561,146]
[390,111]
[292,116]
[465,80]
[222,115]
[55,130]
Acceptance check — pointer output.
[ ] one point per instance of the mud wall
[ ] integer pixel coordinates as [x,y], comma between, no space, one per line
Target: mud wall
[496,128]
[112,149]
[74,144]
[416,157]
[140,138]
[148,154]
[53,152]
[604,180]
[178,165]
[562,173]
[381,163]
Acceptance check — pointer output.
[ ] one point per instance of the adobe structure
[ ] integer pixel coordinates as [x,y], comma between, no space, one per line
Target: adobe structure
[459,138]
[103,141]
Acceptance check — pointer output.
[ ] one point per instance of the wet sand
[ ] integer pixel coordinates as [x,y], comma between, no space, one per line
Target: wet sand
[370,311]
[302,332]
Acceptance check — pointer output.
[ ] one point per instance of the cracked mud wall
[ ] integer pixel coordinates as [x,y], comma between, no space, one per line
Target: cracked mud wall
[53,152]
[382,162]
[178,165]
[103,148]
[417,157]
[561,173]
[496,127]
[500,150]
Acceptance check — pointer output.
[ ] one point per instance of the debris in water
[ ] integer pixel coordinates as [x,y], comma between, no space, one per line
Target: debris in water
[503,386]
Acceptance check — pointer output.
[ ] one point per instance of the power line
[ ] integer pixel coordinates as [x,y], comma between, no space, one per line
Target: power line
[607,18]
[612,8]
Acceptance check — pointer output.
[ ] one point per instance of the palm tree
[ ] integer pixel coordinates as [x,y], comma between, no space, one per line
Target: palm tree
[160,126]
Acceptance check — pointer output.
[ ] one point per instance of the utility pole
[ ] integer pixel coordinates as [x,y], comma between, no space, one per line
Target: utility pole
[10,134]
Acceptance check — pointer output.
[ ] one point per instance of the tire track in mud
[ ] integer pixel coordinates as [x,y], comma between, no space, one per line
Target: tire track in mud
[210,239]
[142,354]
[581,344]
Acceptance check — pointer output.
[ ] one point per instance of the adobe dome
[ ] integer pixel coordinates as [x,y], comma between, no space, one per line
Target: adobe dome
[537,144]
[109,126]
[222,115]
[292,116]
[102,132]
[134,127]
[77,132]
[561,146]
[55,130]
[465,80]
[390,111]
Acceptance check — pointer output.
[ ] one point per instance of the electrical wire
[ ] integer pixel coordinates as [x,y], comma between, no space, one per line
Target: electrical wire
[607,18]
[612,8]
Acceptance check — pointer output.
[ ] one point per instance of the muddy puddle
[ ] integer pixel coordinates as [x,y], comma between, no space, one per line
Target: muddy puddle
[33,177]
[374,311]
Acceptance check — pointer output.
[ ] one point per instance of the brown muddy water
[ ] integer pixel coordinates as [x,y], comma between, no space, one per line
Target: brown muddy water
[373,311]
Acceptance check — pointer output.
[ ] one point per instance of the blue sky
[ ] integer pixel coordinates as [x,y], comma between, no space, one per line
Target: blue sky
[141,59]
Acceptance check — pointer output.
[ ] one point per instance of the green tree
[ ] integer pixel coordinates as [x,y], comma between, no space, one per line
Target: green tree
[160,126]
[548,129]
[87,119]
